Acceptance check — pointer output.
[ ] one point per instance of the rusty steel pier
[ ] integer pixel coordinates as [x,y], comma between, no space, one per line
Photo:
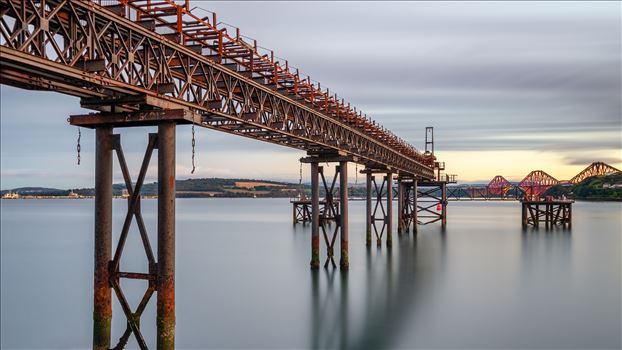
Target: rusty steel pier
[301,210]
[551,212]
[156,63]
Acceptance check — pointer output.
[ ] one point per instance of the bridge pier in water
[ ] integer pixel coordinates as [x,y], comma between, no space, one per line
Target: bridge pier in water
[407,215]
[160,277]
[378,213]
[430,203]
[333,211]
[552,212]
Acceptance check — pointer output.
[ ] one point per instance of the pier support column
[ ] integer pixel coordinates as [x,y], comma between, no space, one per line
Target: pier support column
[343,213]
[415,190]
[389,216]
[102,301]
[400,206]
[444,204]
[315,216]
[368,210]
[165,283]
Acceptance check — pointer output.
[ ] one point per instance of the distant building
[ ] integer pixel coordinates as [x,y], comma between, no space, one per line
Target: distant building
[10,195]
[72,194]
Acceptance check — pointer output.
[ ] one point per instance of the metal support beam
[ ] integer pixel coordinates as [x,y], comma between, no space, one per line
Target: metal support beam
[166,237]
[389,216]
[443,204]
[401,222]
[343,213]
[102,301]
[415,206]
[315,216]
[368,211]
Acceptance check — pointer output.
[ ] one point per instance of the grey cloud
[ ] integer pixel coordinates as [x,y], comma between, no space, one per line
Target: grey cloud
[583,160]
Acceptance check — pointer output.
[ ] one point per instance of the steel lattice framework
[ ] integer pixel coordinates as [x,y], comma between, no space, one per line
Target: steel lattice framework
[136,55]
[499,186]
[594,169]
[537,182]
[534,184]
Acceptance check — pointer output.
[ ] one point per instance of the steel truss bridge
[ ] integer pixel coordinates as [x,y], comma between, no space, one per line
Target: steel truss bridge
[533,185]
[158,63]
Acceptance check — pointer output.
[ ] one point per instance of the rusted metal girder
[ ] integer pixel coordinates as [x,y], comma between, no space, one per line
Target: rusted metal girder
[102,300]
[79,48]
[166,237]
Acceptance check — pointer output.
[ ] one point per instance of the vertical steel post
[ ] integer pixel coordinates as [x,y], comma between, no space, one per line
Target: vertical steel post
[400,206]
[389,218]
[415,206]
[368,218]
[294,205]
[444,204]
[524,214]
[315,216]
[343,214]
[102,293]
[165,282]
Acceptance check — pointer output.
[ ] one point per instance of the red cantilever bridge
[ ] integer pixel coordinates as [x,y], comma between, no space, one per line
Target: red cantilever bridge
[157,63]
[533,185]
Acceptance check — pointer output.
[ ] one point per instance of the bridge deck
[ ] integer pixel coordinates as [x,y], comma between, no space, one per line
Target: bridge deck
[136,57]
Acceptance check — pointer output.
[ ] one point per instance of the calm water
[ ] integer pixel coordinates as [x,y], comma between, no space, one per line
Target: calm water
[243,279]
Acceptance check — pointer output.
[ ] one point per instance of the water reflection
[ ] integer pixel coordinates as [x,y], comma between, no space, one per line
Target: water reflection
[243,281]
[394,282]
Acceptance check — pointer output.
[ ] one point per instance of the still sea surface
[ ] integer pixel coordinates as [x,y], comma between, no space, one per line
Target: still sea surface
[243,279]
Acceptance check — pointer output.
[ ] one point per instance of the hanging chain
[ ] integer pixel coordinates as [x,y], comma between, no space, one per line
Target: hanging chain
[78,145]
[356,174]
[300,179]
[193,144]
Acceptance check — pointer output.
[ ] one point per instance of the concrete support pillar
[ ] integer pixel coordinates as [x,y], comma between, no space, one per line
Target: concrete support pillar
[165,282]
[315,216]
[102,301]
[368,210]
[343,216]
[389,218]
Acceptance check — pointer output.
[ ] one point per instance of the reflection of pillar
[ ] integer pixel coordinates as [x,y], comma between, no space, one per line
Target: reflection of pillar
[166,237]
[315,216]
[343,216]
[315,309]
[368,211]
[102,301]
[400,206]
[344,313]
[389,217]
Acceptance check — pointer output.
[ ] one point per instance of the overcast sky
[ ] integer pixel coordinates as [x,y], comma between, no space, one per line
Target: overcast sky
[508,86]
